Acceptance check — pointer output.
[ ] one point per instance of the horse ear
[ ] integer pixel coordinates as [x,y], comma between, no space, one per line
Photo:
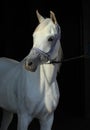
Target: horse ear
[53,18]
[40,18]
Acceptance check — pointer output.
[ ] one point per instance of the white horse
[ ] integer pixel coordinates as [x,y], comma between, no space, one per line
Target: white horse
[29,88]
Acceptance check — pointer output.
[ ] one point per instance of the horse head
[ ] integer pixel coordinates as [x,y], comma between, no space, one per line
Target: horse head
[46,42]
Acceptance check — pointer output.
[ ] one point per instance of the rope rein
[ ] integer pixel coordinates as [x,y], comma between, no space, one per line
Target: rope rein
[68,59]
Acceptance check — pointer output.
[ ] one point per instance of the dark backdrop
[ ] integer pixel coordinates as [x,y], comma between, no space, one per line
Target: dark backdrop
[18,21]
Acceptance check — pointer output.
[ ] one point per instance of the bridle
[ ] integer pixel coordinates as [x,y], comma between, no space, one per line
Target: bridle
[54,61]
[47,55]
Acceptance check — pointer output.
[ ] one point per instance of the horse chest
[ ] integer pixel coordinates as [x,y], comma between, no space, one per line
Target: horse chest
[41,102]
[51,98]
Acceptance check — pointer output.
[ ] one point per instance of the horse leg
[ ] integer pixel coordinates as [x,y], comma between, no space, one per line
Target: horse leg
[6,119]
[46,123]
[23,121]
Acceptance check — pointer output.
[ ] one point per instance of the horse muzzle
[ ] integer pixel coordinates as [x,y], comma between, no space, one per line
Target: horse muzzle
[35,58]
[30,66]
[32,61]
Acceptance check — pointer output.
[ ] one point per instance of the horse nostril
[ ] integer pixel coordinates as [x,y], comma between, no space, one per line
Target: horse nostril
[30,63]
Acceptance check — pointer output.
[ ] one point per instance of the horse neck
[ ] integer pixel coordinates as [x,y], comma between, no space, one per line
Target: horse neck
[48,73]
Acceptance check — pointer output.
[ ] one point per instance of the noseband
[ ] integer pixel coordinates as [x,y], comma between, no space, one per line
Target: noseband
[48,54]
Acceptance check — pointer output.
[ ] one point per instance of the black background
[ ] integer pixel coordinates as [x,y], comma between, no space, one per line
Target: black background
[18,21]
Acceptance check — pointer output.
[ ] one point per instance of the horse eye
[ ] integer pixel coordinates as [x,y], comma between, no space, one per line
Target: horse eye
[50,39]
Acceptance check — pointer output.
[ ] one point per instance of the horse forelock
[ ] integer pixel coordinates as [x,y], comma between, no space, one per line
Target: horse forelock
[42,25]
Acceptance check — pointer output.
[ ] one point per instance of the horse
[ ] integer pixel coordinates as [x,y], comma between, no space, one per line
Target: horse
[29,88]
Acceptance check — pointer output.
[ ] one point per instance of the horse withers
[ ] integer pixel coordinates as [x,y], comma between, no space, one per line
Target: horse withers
[29,88]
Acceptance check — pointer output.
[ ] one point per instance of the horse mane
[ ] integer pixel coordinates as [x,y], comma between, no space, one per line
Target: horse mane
[59,58]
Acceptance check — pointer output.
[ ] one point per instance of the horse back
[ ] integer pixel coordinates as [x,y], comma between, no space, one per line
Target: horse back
[6,65]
